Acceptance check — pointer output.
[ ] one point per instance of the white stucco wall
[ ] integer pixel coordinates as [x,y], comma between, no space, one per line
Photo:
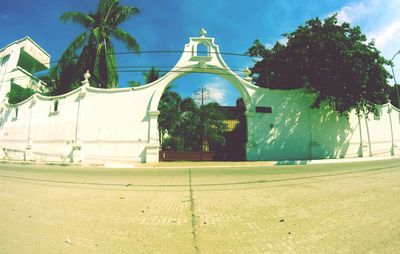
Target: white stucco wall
[48,135]
[14,132]
[116,125]
[120,125]
[109,125]
[53,133]
[284,133]
[295,131]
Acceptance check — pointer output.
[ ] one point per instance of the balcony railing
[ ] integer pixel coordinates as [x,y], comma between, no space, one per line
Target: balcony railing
[23,78]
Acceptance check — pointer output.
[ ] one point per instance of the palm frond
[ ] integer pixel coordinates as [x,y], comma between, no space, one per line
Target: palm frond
[78,17]
[86,59]
[122,13]
[111,63]
[126,38]
[98,62]
[69,53]
[96,34]
[102,6]
[94,45]
[105,6]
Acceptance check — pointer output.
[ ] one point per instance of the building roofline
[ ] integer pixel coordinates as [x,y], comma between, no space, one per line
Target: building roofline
[22,39]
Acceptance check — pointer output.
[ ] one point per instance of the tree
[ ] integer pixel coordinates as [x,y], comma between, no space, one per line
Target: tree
[213,125]
[18,93]
[133,83]
[188,122]
[96,48]
[61,81]
[332,60]
[170,110]
[393,95]
[151,75]
[187,126]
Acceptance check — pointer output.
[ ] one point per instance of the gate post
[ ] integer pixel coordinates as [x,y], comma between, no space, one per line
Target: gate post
[28,156]
[76,155]
[393,146]
[2,121]
[153,146]
[250,130]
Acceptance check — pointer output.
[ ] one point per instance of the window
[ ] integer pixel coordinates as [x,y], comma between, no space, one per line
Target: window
[15,117]
[202,50]
[54,108]
[263,109]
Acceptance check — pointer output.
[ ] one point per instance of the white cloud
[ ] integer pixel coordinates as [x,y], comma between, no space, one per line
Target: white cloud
[217,90]
[387,35]
[354,11]
[379,20]
[283,40]
[268,45]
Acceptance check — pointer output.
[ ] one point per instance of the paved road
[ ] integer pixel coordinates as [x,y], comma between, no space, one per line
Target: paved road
[332,208]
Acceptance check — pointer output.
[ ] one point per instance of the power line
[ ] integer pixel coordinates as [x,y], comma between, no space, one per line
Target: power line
[25,77]
[155,52]
[145,68]
[173,51]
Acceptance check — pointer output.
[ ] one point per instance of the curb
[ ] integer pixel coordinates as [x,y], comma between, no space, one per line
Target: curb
[331,161]
[44,163]
[200,164]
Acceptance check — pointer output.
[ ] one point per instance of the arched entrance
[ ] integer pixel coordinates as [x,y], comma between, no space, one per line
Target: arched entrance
[201,119]
[192,61]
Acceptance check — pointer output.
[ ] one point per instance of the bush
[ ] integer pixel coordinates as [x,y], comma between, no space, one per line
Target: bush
[18,93]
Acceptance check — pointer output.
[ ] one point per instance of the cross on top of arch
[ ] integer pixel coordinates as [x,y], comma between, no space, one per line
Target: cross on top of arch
[203,32]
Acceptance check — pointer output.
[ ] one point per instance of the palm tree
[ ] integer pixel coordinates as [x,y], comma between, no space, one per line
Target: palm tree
[152,75]
[97,52]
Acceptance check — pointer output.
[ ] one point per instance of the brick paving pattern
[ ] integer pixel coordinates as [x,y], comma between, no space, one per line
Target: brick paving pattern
[349,208]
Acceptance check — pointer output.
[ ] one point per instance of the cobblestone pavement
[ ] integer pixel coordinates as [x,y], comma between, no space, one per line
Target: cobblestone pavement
[332,208]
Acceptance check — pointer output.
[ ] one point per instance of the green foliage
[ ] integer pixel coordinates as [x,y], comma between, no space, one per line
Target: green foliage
[151,75]
[213,126]
[332,60]
[95,46]
[133,83]
[169,107]
[18,94]
[61,81]
[186,122]
[393,96]
[187,125]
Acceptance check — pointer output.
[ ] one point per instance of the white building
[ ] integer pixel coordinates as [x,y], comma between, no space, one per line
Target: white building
[120,125]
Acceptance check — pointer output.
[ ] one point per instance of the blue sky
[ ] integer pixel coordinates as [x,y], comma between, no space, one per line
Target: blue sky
[167,25]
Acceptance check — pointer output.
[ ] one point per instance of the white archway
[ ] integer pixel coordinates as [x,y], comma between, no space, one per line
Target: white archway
[191,62]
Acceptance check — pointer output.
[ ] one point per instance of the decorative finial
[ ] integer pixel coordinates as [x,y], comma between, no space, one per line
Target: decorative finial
[87,75]
[203,32]
[86,81]
[247,72]
[85,84]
